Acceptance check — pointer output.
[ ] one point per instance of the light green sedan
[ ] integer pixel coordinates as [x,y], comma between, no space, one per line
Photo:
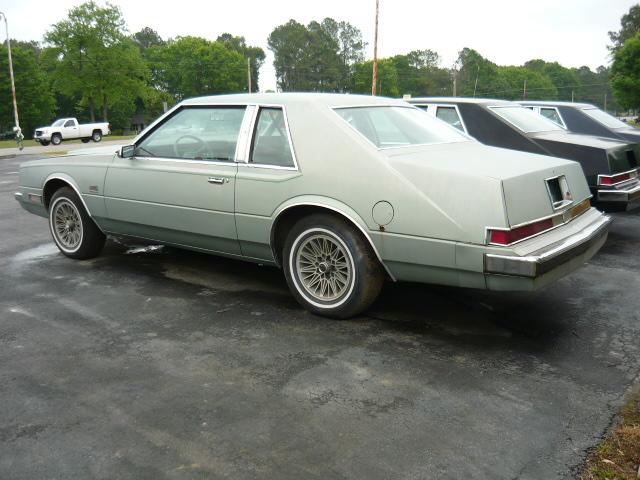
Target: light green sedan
[340,191]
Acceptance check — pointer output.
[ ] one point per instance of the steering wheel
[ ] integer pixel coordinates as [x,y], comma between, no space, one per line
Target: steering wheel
[193,149]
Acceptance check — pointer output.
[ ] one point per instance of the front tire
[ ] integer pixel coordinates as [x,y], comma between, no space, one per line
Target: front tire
[73,230]
[56,139]
[330,268]
[85,140]
[96,136]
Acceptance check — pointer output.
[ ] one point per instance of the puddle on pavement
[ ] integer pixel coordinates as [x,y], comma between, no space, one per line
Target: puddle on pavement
[143,249]
[35,253]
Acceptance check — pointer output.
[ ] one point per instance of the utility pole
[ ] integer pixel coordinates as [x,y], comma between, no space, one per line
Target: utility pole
[455,83]
[475,87]
[524,90]
[16,128]
[249,73]
[572,96]
[374,80]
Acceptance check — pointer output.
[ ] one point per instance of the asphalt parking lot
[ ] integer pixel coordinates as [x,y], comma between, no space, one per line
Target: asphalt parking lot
[154,363]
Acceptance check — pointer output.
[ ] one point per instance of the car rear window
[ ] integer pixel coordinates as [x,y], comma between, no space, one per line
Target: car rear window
[392,127]
[604,118]
[525,120]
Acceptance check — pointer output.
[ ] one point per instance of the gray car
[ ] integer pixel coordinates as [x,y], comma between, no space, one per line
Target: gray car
[340,191]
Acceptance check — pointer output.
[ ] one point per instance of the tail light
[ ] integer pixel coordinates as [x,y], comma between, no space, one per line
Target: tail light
[501,236]
[615,179]
[507,237]
[109,127]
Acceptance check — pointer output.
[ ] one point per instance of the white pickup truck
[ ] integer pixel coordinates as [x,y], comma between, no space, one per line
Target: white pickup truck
[69,129]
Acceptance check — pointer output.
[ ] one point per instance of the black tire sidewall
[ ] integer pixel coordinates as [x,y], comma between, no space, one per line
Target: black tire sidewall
[96,136]
[56,139]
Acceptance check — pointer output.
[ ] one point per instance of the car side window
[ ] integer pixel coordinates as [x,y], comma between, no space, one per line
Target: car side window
[270,140]
[552,114]
[68,123]
[450,115]
[195,133]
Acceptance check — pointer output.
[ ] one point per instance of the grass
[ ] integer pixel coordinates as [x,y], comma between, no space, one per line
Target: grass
[618,456]
[33,143]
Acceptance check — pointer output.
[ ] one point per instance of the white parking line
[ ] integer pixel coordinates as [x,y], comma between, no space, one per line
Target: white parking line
[5,182]
[10,173]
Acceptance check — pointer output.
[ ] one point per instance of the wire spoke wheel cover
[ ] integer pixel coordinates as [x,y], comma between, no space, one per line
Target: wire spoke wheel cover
[323,267]
[66,225]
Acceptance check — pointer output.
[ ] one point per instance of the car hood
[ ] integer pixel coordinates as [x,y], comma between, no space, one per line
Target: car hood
[481,186]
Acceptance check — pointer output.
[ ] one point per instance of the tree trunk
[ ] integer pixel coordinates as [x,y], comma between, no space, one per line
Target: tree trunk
[92,109]
[105,108]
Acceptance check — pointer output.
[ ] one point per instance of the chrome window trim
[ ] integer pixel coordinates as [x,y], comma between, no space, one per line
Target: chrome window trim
[563,123]
[260,106]
[151,128]
[493,109]
[243,143]
[563,203]
[380,149]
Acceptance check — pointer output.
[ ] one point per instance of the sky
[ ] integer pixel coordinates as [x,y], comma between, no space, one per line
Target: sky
[507,32]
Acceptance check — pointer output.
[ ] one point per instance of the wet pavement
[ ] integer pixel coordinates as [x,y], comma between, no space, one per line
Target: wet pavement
[155,363]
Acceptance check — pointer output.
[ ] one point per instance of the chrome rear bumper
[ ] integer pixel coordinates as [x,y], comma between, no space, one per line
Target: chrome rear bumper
[550,257]
[629,193]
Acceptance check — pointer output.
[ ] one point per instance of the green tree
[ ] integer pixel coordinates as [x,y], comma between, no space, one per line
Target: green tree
[192,66]
[629,26]
[146,38]
[36,103]
[419,74]
[255,55]
[317,57]
[625,73]
[93,59]
[388,83]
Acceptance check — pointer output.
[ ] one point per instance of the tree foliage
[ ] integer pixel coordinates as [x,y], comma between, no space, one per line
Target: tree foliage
[36,103]
[192,66]
[93,58]
[629,26]
[317,57]
[626,73]
[255,55]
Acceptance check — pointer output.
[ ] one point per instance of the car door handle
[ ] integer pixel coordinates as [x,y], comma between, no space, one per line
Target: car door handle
[217,180]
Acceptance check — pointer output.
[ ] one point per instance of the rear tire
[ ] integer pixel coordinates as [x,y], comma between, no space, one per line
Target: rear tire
[73,230]
[44,143]
[56,139]
[96,136]
[330,268]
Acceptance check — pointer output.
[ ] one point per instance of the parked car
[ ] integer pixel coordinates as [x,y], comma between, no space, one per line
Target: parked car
[70,129]
[340,191]
[585,118]
[611,166]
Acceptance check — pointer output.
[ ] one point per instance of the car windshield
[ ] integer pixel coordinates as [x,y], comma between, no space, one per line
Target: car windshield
[390,126]
[525,119]
[604,118]
[58,123]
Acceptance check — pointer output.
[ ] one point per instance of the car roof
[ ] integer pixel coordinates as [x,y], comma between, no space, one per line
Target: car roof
[479,101]
[553,103]
[327,99]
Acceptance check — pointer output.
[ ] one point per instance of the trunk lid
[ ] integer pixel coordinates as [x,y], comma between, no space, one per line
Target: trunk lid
[521,179]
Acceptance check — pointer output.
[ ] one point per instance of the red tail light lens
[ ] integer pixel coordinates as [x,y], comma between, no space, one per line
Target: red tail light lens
[613,179]
[507,237]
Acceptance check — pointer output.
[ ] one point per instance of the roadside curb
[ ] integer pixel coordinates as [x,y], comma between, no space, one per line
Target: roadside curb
[12,155]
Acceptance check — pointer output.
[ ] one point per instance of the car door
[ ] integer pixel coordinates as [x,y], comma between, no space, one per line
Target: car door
[70,129]
[179,186]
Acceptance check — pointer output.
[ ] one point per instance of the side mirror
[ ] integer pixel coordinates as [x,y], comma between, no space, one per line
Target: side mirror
[127,151]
